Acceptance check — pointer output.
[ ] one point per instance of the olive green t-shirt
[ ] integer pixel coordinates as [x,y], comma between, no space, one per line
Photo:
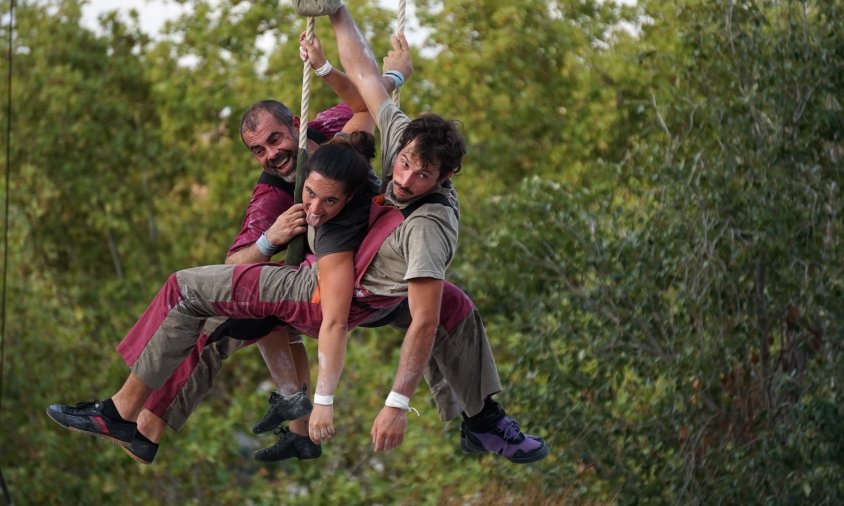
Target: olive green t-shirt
[424,244]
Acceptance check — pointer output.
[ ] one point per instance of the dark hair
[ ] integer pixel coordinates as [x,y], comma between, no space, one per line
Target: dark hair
[439,142]
[340,162]
[362,142]
[276,109]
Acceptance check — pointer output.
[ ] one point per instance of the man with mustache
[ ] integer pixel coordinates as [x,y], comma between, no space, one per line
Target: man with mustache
[403,276]
[270,131]
[445,339]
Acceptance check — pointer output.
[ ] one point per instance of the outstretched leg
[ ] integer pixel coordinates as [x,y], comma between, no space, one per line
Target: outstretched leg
[181,394]
[170,327]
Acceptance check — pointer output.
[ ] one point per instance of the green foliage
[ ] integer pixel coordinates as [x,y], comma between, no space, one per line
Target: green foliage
[651,229]
[536,73]
[85,142]
[696,304]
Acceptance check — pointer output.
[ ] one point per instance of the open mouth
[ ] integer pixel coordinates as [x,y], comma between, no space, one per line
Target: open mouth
[282,164]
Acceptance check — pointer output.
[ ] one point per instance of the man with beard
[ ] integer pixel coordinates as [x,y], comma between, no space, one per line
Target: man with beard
[400,272]
[270,131]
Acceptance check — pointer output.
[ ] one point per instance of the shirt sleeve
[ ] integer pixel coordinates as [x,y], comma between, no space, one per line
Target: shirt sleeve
[429,246]
[330,121]
[267,203]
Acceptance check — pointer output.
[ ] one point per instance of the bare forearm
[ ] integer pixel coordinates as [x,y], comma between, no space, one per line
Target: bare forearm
[337,275]
[355,55]
[248,255]
[415,354]
[388,83]
[344,88]
[286,226]
[423,298]
[332,354]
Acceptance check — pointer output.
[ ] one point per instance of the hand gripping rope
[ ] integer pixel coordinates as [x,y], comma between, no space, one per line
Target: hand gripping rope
[296,246]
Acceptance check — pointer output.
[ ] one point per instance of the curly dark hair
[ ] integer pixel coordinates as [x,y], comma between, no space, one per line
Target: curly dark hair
[439,142]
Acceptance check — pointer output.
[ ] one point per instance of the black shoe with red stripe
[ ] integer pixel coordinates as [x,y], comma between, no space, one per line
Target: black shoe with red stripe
[88,418]
[143,451]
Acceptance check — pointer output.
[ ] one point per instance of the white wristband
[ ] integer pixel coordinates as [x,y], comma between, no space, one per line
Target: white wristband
[397,400]
[324,400]
[396,76]
[267,248]
[324,70]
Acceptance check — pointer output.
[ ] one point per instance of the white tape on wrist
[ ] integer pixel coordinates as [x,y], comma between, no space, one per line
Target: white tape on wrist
[324,400]
[399,401]
[324,70]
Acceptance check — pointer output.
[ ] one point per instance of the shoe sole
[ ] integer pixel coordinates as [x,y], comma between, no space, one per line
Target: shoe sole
[110,439]
[137,459]
[471,448]
[297,457]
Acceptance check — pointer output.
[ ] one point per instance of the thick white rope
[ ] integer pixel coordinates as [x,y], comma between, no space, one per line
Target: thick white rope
[296,246]
[306,90]
[400,29]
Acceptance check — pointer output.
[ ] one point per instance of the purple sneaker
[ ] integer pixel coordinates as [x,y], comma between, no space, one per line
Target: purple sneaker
[506,440]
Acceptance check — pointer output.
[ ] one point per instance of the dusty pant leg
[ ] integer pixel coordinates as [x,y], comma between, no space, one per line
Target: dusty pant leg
[200,382]
[178,407]
[169,328]
[259,292]
[461,373]
[462,352]
[465,359]
[161,398]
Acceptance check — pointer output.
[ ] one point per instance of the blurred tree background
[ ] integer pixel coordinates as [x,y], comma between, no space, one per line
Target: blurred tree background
[651,227]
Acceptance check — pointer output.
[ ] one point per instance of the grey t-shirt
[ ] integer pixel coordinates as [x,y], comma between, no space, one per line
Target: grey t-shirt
[425,243]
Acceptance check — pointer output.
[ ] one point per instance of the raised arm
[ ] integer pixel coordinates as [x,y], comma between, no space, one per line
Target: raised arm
[336,283]
[396,60]
[424,299]
[357,60]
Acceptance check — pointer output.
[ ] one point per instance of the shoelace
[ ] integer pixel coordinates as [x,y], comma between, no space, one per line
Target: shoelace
[512,431]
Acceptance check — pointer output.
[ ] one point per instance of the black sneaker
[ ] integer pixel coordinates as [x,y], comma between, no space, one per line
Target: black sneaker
[289,445]
[88,418]
[141,451]
[283,408]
